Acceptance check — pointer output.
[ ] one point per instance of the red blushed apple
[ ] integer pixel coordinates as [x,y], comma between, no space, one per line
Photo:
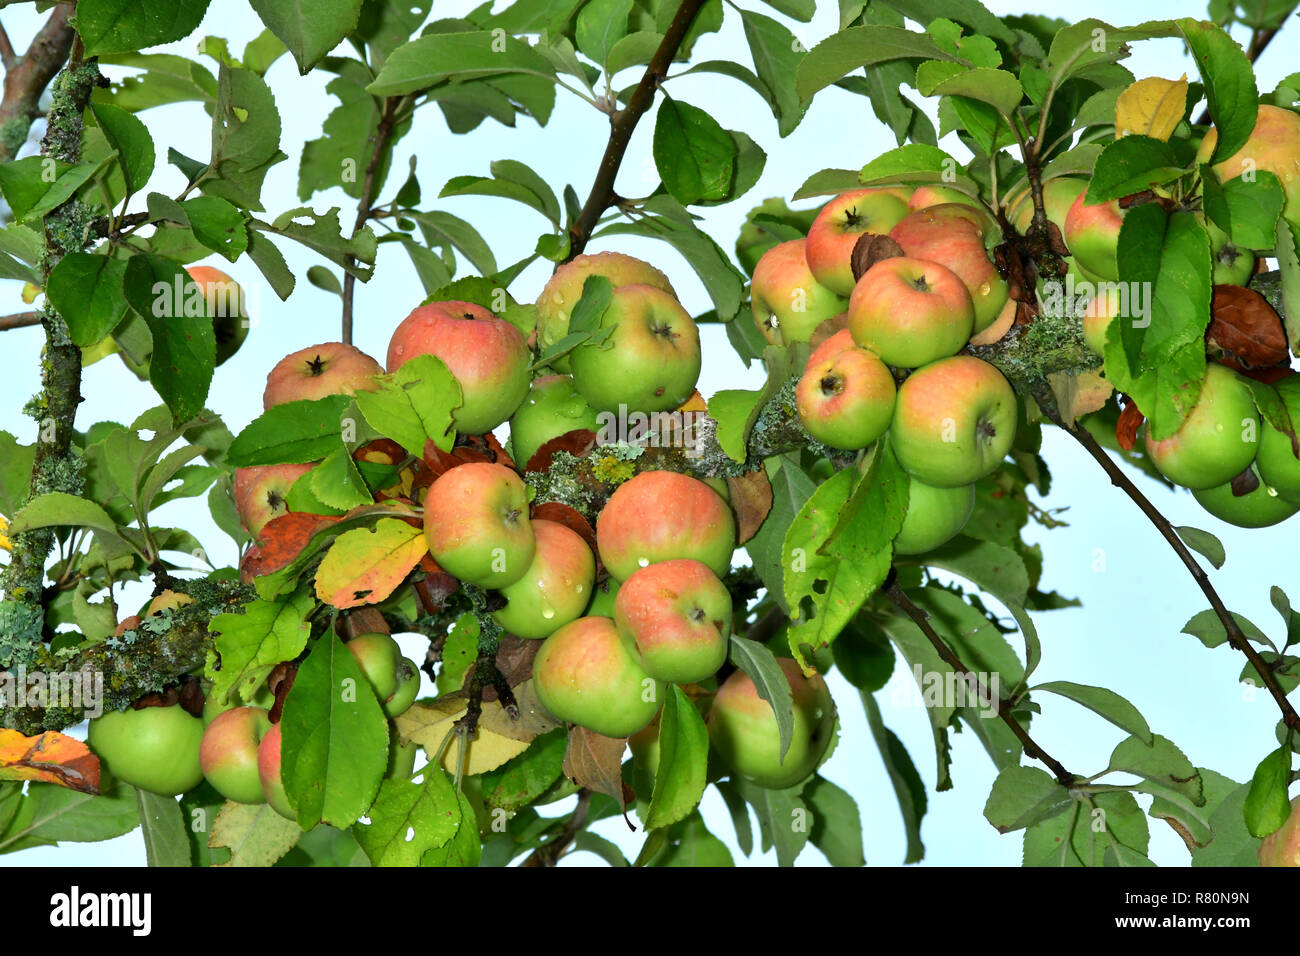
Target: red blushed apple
[228,753]
[846,401]
[564,290]
[1273,146]
[1058,196]
[953,234]
[261,490]
[832,346]
[910,312]
[488,356]
[331,368]
[556,587]
[1092,233]
[268,773]
[1098,315]
[225,302]
[678,614]
[788,302]
[923,197]
[838,227]
[661,515]
[476,522]
[1218,438]
[651,361]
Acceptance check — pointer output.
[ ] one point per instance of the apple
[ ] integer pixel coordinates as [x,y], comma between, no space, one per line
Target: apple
[934,516]
[1277,463]
[268,773]
[953,234]
[1233,265]
[678,615]
[910,312]
[552,408]
[1282,846]
[564,290]
[378,655]
[476,522]
[1217,440]
[556,587]
[839,225]
[213,708]
[787,301]
[1098,315]
[742,728]
[330,368]
[661,515]
[1274,146]
[228,753]
[650,363]
[488,356]
[261,492]
[408,688]
[153,748]
[1259,508]
[1058,196]
[225,303]
[603,596]
[954,421]
[847,400]
[923,197]
[587,674]
[1092,233]
[832,345]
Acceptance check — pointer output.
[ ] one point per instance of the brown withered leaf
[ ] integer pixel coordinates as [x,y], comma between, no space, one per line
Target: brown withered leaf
[280,682]
[871,248]
[187,691]
[381,451]
[571,518]
[51,757]
[468,448]
[435,586]
[127,624]
[280,542]
[1269,376]
[696,403]
[578,443]
[1244,483]
[514,662]
[1128,423]
[595,762]
[362,620]
[828,328]
[751,500]
[1244,332]
[1078,393]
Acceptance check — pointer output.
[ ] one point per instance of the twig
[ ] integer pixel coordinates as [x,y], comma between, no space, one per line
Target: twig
[387,119]
[623,123]
[26,78]
[896,594]
[549,853]
[19,320]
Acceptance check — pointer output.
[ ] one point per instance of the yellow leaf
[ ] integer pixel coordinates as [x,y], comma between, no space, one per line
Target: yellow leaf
[499,737]
[50,757]
[1151,107]
[30,291]
[4,538]
[365,567]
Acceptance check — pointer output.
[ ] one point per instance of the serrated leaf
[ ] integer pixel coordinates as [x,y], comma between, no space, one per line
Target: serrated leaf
[683,762]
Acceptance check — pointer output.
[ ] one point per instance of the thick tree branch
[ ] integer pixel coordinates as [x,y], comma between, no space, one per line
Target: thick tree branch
[19,320]
[387,120]
[623,124]
[27,77]
[900,599]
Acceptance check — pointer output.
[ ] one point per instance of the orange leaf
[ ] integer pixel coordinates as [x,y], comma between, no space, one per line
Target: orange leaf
[50,758]
[568,516]
[364,566]
[751,500]
[280,541]
[578,443]
[1127,425]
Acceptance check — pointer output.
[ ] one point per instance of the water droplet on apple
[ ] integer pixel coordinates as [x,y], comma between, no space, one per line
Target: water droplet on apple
[643,562]
[548,612]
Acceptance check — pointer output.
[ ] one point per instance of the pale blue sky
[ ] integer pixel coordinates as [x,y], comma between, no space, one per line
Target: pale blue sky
[1136,595]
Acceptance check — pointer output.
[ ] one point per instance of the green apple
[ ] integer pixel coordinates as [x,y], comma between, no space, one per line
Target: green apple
[661,515]
[787,300]
[934,516]
[228,753]
[678,615]
[378,655]
[1259,508]
[1233,265]
[1217,440]
[587,674]
[408,688]
[476,522]
[840,224]
[650,363]
[603,596]
[847,400]
[910,312]
[954,421]
[742,728]
[556,587]
[153,748]
[1277,462]
[553,408]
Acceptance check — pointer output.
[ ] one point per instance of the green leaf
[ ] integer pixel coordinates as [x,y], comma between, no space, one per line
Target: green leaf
[852,49]
[245,139]
[1023,796]
[1130,165]
[130,137]
[607,851]
[997,88]
[434,58]
[1203,543]
[691,844]
[522,779]
[782,818]
[1233,844]
[916,163]
[218,225]
[443,227]
[907,783]
[828,182]
[864,655]
[1161,762]
[165,841]
[1267,806]
[250,644]
[683,762]
[323,234]
[601,24]
[334,748]
[125,26]
[1229,83]
[54,814]
[1287,252]
[86,290]
[694,155]
[635,49]
[413,405]
[736,410]
[1247,210]
[34,185]
[777,56]
[270,261]
[759,663]
[791,488]
[292,432]
[1209,630]
[464,848]
[1087,48]
[337,483]
[992,567]
[255,834]
[15,472]
[1195,819]
[428,812]
[837,825]
[309,29]
[59,509]
[1105,703]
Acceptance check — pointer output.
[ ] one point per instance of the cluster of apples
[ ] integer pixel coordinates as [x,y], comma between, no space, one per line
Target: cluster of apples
[905,317]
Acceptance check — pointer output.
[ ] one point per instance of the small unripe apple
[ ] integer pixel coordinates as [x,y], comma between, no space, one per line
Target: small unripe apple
[788,302]
[1233,265]
[476,522]
[556,587]
[910,312]
[378,655]
[331,368]
[1258,508]
[1218,438]
[401,758]
[846,401]
[678,615]
[661,515]
[934,516]
[954,421]
[408,688]
[153,748]
[228,753]
[840,224]
[1277,462]
[587,674]
[552,408]
[743,729]
[268,772]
